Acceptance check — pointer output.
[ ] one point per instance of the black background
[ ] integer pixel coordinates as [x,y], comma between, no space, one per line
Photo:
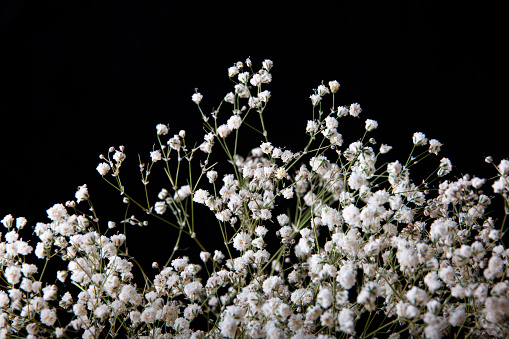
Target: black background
[81,76]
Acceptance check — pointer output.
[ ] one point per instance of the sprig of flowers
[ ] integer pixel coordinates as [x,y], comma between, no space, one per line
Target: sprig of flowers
[323,242]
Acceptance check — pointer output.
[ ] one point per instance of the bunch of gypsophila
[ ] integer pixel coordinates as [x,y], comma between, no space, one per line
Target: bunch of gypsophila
[362,251]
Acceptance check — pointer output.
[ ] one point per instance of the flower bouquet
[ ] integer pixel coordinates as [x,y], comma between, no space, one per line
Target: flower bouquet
[330,241]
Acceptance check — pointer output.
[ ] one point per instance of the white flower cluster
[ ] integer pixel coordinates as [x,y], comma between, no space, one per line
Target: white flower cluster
[315,243]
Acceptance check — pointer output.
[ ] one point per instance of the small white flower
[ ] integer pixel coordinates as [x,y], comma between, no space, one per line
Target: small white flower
[228,326]
[197,97]
[148,315]
[445,167]
[419,139]
[21,222]
[48,317]
[82,193]
[434,146]
[7,220]
[417,296]
[503,167]
[385,148]
[346,277]
[50,292]
[286,156]
[355,110]
[457,317]
[315,99]
[325,297]
[334,86]
[266,147]
[233,71]
[223,131]
[256,80]
[57,212]
[119,156]
[11,237]
[242,241]
[160,207]
[156,155]
[200,196]
[230,97]
[193,289]
[244,77]
[371,125]
[62,275]
[281,173]
[13,274]
[267,64]
[431,280]
[322,90]
[162,129]
[212,176]
[342,111]
[331,123]
[266,76]
[242,91]
[264,96]
[234,122]
[254,102]
[477,182]
[103,168]
[312,127]
[174,143]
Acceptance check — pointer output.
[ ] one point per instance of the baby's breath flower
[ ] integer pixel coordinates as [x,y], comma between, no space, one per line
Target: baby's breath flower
[230,98]
[331,123]
[322,90]
[244,77]
[264,96]
[48,317]
[434,146]
[156,155]
[234,122]
[419,139]
[162,129]
[315,99]
[385,148]
[212,176]
[204,256]
[103,168]
[21,222]
[223,131]
[445,167]
[119,156]
[342,111]
[197,97]
[160,207]
[334,86]
[233,71]
[266,147]
[267,64]
[355,110]
[281,173]
[7,220]
[371,125]
[312,127]
[503,167]
[256,79]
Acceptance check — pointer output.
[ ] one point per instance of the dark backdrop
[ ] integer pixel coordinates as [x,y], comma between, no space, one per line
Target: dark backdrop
[79,77]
